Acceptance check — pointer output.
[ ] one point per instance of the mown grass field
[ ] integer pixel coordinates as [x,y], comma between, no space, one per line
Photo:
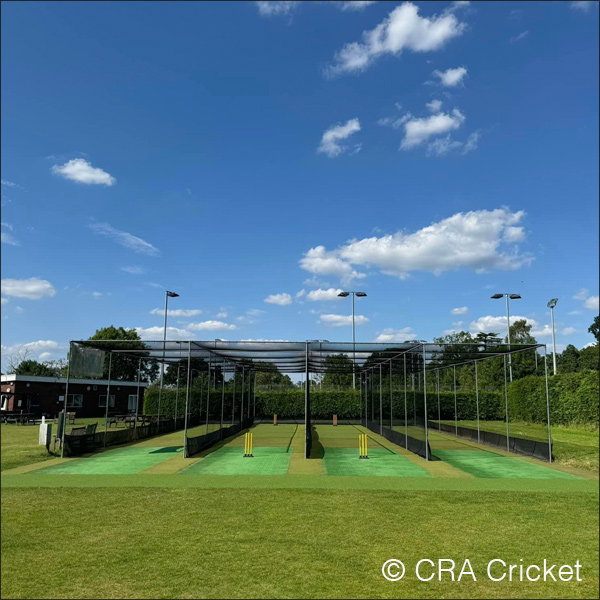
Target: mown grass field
[572,446]
[176,530]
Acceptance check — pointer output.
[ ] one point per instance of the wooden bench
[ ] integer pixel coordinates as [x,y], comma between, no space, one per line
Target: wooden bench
[78,431]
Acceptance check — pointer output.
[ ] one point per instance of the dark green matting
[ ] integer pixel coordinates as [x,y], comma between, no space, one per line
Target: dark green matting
[120,461]
[490,465]
[381,462]
[231,461]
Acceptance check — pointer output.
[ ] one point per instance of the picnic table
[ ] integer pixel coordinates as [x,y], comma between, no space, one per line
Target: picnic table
[21,418]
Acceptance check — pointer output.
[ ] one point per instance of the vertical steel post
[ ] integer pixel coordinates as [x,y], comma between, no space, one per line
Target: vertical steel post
[62,440]
[243,390]
[405,407]
[553,341]
[162,364]
[438,395]
[508,338]
[187,402]
[477,400]
[222,400]
[548,406]
[177,395]
[208,391]
[360,390]
[307,417]
[233,401]
[137,404]
[506,407]
[380,399]
[391,399]
[425,404]
[455,405]
[353,347]
[254,396]
[107,398]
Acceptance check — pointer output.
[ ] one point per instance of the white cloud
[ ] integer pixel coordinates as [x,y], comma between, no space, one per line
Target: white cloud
[125,239]
[40,349]
[332,138]
[133,270]
[300,294]
[281,299]
[402,29]
[342,320]
[445,145]
[519,37]
[324,295]
[459,311]
[497,325]
[3,300]
[179,312]
[434,106]
[472,240]
[583,5]
[6,236]
[450,77]
[156,333]
[221,315]
[419,130]
[8,183]
[590,302]
[80,170]
[275,8]
[319,261]
[355,5]
[593,303]
[97,294]
[396,335]
[472,142]
[32,288]
[211,326]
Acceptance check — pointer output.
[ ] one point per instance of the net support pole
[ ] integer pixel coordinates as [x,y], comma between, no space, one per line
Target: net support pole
[242,405]
[405,407]
[506,406]
[391,400]
[233,400]
[477,401]
[360,391]
[249,391]
[381,399]
[254,396]
[438,395]
[548,406]
[455,403]
[307,416]
[425,404]
[208,391]
[177,396]
[107,398]
[222,401]
[187,401]
[137,404]
[62,440]
[373,395]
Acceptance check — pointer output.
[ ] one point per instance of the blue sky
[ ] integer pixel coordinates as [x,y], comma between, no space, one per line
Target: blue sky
[255,157]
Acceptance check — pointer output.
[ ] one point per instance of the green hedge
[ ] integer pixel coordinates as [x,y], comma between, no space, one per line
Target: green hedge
[573,399]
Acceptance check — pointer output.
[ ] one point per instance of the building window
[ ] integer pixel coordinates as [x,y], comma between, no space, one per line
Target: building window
[132,402]
[19,403]
[75,400]
[102,401]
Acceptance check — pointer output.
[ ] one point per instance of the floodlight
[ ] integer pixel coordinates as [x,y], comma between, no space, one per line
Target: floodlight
[497,296]
[515,296]
[360,294]
[172,294]
[343,294]
[553,303]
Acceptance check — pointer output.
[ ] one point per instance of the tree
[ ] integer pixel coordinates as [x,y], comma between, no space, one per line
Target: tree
[125,368]
[594,328]
[37,369]
[568,361]
[589,357]
[270,375]
[523,363]
[16,358]
[338,371]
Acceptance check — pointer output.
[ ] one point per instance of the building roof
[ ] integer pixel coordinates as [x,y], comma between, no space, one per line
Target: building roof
[35,379]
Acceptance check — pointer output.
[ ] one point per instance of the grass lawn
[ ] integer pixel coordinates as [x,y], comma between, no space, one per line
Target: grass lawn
[573,446]
[298,543]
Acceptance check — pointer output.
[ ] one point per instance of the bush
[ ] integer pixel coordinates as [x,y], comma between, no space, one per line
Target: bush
[574,399]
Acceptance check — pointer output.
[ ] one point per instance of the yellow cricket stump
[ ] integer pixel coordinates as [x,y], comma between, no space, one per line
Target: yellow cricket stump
[363,446]
[248,445]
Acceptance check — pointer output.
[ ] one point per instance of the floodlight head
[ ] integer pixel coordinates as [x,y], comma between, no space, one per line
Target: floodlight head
[553,303]
[515,296]
[172,294]
[343,294]
[497,296]
[360,294]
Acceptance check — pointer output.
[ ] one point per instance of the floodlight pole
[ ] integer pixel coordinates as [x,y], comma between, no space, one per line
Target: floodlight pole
[553,339]
[548,406]
[508,328]
[168,295]
[506,407]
